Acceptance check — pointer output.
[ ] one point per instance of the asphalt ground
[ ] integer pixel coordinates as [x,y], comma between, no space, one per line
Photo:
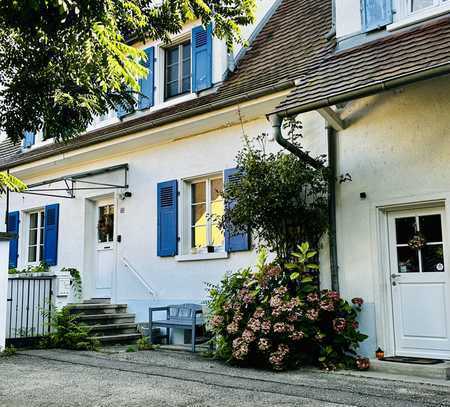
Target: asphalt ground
[169,378]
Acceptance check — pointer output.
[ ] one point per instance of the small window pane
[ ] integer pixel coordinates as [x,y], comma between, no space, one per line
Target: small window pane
[42,219]
[172,56]
[199,192]
[32,237]
[32,253]
[199,238]
[405,229]
[216,188]
[187,51]
[217,236]
[199,215]
[408,260]
[417,5]
[172,89]
[41,252]
[33,220]
[431,227]
[186,85]
[105,227]
[433,259]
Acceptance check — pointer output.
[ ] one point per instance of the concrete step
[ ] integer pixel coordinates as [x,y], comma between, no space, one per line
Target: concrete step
[98,301]
[96,309]
[107,319]
[440,371]
[113,329]
[121,338]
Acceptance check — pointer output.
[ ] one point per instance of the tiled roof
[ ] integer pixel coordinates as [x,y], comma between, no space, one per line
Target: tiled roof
[398,55]
[291,40]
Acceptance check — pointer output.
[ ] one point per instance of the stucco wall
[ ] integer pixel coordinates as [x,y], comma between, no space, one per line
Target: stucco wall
[173,281]
[396,149]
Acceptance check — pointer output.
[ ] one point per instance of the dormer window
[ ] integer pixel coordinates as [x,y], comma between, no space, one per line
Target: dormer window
[177,72]
[418,5]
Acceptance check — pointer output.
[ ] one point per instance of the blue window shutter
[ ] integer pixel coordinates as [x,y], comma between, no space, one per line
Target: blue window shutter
[376,14]
[167,218]
[51,234]
[235,242]
[13,227]
[148,83]
[201,58]
[28,139]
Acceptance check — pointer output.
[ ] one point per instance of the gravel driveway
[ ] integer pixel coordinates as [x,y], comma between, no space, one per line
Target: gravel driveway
[169,378]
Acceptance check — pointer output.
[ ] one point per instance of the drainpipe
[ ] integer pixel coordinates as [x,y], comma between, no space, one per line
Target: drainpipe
[332,237]
[276,121]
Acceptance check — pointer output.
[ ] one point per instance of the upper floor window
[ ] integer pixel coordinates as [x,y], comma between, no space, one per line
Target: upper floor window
[177,78]
[419,5]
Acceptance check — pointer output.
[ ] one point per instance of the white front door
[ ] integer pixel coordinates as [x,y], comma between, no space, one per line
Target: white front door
[419,279]
[104,249]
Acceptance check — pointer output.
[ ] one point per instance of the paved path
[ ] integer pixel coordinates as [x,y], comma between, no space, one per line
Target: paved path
[168,378]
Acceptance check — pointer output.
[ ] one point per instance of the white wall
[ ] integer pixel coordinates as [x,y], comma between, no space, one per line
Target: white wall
[173,281]
[396,149]
[4,250]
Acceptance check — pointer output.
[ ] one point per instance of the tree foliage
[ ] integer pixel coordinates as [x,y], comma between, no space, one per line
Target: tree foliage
[11,183]
[280,198]
[62,62]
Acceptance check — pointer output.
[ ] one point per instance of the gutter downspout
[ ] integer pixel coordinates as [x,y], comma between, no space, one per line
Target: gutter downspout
[276,121]
[332,236]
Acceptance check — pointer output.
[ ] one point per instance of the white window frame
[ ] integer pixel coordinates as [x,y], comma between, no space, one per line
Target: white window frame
[404,17]
[178,44]
[187,252]
[38,245]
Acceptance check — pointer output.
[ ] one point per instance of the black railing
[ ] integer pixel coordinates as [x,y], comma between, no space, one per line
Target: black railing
[29,309]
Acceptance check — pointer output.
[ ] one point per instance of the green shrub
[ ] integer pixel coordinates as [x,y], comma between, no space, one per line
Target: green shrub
[67,332]
[276,317]
[8,351]
[144,344]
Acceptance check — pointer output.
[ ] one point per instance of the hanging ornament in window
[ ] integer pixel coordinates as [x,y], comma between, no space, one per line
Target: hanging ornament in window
[417,242]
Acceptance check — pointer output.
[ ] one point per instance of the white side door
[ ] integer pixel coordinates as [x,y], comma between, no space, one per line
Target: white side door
[104,249]
[419,278]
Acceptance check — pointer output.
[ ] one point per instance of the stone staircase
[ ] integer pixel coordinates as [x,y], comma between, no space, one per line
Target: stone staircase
[110,323]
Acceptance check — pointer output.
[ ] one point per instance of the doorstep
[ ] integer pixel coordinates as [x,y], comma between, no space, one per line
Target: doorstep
[404,372]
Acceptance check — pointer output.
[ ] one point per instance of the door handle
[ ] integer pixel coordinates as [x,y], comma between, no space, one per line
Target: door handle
[394,276]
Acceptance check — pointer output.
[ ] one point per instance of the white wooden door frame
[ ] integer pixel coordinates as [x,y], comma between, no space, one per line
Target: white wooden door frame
[109,201]
[385,336]
[412,344]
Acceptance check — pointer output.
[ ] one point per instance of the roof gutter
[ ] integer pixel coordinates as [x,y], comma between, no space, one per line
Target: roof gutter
[380,86]
[127,130]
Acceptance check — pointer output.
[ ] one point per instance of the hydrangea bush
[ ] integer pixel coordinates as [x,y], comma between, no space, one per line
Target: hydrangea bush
[277,317]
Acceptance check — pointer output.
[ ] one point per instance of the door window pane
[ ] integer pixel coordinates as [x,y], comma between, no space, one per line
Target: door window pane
[408,260]
[433,259]
[431,228]
[405,229]
[105,226]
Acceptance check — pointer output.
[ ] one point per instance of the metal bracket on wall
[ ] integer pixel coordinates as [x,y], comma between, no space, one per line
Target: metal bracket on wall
[71,181]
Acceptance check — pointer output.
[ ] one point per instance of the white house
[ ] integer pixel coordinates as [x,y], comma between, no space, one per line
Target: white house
[129,198]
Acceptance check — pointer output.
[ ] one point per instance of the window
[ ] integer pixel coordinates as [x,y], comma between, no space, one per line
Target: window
[206,207]
[177,78]
[419,244]
[419,5]
[105,226]
[36,236]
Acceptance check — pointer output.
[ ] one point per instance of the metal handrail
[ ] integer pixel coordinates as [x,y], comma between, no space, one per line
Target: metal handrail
[139,277]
